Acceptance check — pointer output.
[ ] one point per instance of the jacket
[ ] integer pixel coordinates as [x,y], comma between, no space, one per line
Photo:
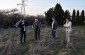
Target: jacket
[54,25]
[37,25]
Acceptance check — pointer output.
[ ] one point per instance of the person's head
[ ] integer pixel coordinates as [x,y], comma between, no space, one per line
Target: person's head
[53,18]
[23,20]
[67,19]
[36,20]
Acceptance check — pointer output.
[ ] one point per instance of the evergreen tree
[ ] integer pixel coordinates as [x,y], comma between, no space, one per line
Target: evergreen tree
[77,18]
[49,15]
[66,15]
[82,18]
[57,11]
[74,17]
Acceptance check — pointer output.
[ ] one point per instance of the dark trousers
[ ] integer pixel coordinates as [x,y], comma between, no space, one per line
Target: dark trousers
[23,35]
[37,34]
[54,34]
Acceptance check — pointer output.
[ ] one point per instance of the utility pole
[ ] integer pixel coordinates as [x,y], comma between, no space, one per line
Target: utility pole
[23,7]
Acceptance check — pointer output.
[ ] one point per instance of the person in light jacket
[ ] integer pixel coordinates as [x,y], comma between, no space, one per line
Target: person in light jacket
[68,28]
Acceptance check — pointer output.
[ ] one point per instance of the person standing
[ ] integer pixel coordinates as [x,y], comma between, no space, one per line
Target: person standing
[68,28]
[22,26]
[37,27]
[54,27]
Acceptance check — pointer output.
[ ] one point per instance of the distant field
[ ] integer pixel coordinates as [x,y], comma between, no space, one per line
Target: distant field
[10,44]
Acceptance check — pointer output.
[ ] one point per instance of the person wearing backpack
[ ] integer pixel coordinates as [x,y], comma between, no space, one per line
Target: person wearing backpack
[37,27]
[54,27]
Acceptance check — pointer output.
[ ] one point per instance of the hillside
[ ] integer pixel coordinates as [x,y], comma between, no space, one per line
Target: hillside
[10,44]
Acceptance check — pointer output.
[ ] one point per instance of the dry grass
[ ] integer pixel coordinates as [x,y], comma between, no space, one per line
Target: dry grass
[10,44]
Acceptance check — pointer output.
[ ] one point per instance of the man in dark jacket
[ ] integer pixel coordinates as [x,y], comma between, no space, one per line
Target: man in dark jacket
[54,27]
[37,27]
[22,26]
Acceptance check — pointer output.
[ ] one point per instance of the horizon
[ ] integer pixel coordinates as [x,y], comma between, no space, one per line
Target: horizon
[38,7]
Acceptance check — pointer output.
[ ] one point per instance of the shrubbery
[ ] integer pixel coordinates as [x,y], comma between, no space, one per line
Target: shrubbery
[60,15]
[9,19]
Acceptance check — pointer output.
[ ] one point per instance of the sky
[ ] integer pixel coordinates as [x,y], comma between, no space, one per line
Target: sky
[38,7]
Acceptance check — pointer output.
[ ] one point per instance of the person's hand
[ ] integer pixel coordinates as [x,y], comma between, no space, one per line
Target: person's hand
[32,26]
[23,23]
[64,25]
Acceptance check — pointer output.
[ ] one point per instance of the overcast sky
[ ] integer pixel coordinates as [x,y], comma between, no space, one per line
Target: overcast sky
[38,7]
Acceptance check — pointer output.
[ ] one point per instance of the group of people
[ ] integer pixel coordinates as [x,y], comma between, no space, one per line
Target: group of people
[37,27]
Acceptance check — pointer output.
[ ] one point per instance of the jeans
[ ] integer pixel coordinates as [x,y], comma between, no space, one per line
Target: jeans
[37,34]
[23,35]
[54,34]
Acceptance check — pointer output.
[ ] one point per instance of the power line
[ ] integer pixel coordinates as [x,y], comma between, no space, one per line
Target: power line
[23,7]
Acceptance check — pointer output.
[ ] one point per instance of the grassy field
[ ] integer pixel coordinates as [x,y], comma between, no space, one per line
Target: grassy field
[10,44]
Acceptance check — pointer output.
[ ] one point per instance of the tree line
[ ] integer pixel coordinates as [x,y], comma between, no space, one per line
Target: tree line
[57,11]
[78,18]
[8,18]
